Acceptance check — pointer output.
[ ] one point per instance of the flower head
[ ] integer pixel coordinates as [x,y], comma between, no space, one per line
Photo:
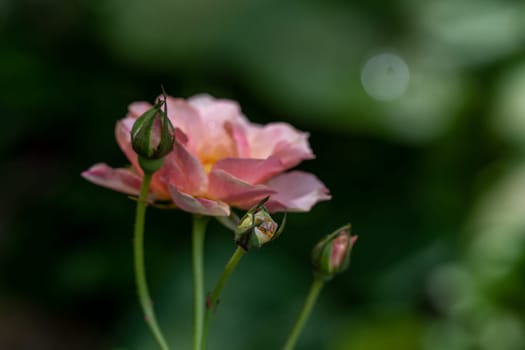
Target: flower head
[257,227]
[331,255]
[219,160]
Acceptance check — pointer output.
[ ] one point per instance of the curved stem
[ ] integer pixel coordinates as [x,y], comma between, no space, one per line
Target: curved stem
[315,289]
[213,298]
[140,271]
[199,230]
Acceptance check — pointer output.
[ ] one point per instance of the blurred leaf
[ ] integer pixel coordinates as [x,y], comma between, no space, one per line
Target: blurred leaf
[391,332]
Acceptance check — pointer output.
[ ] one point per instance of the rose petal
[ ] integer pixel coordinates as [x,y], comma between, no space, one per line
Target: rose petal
[280,140]
[235,192]
[218,110]
[136,109]
[123,136]
[297,191]
[293,153]
[197,205]
[181,136]
[238,134]
[251,171]
[184,171]
[159,184]
[121,180]
[186,118]
[202,118]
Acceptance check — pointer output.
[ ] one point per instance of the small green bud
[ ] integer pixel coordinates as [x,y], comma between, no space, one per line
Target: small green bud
[257,227]
[152,136]
[331,255]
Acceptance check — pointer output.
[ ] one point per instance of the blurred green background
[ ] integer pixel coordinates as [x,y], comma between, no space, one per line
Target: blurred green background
[416,111]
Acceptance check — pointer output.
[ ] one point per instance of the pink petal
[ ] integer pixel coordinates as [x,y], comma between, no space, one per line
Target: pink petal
[184,171]
[200,206]
[123,136]
[186,118]
[218,110]
[339,247]
[203,119]
[280,140]
[214,141]
[251,171]
[159,184]
[240,139]
[181,136]
[235,192]
[121,180]
[136,109]
[296,191]
[294,153]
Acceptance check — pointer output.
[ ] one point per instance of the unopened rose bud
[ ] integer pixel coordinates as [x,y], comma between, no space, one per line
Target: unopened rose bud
[152,136]
[257,228]
[332,254]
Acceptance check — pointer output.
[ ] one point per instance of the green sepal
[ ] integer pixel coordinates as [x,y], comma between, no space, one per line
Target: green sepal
[281,227]
[150,165]
[142,130]
[230,222]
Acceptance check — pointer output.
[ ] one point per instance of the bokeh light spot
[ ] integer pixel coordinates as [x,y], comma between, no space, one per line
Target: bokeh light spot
[385,76]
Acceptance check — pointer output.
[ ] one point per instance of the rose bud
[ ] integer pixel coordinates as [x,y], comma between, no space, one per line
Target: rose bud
[257,227]
[152,136]
[331,255]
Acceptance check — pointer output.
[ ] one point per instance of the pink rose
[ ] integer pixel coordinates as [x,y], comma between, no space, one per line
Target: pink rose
[219,160]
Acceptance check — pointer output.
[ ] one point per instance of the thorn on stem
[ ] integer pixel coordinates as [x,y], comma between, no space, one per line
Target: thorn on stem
[208,301]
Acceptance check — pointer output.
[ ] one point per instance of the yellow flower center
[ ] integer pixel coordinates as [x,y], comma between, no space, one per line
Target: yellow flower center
[208,156]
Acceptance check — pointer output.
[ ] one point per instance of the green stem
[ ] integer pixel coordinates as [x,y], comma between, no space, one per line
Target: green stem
[315,289]
[140,271]
[199,230]
[213,298]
